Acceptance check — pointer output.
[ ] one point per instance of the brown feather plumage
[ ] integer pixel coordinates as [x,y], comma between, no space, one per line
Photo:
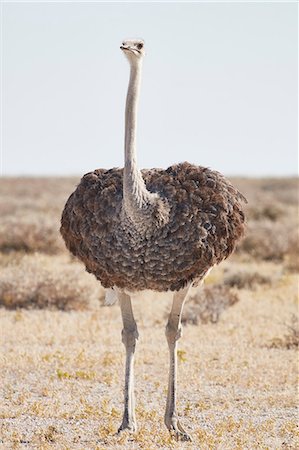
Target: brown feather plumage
[206,221]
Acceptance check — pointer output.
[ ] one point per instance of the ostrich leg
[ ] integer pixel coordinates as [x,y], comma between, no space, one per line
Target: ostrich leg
[129,337]
[173,333]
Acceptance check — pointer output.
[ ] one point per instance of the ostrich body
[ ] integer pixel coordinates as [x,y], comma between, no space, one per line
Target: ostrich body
[151,229]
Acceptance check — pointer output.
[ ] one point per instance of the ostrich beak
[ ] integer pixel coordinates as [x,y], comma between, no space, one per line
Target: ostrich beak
[129,49]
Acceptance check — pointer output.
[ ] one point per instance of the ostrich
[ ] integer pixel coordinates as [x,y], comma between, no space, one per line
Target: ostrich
[152,229]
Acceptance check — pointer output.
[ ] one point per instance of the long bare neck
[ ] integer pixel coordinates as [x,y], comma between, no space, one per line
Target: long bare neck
[136,196]
[143,210]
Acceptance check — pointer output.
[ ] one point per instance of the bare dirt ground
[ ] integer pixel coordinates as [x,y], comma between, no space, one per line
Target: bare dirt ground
[62,361]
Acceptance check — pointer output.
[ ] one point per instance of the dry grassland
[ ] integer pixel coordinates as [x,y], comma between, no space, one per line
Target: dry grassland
[62,361]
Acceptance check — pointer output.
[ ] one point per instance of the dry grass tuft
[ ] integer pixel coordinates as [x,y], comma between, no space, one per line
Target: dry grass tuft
[40,281]
[208,303]
[290,340]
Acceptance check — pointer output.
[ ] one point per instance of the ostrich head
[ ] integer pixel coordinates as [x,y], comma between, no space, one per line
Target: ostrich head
[133,49]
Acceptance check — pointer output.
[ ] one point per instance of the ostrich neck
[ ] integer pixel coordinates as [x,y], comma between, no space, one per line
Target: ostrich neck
[143,210]
[136,196]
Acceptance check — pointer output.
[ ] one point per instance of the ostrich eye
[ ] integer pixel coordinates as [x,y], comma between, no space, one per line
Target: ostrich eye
[139,46]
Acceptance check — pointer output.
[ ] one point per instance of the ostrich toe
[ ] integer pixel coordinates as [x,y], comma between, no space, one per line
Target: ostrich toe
[128,425]
[176,430]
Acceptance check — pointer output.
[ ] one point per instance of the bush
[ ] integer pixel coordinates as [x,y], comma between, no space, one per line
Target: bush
[268,240]
[30,232]
[30,211]
[291,260]
[290,340]
[246,279]
[208,303]
[39,281]
[271,212]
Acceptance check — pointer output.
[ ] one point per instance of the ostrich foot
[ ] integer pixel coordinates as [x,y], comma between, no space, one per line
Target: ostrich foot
[176,430]
[129,425]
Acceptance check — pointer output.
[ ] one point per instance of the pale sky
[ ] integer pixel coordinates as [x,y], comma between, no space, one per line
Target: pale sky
[219,86]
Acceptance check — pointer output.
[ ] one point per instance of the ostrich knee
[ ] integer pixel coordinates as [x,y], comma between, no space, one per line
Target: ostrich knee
[173,334]
[129,337]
